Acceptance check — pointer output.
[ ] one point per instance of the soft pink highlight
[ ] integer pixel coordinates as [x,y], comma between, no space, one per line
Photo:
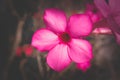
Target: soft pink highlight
[102,31]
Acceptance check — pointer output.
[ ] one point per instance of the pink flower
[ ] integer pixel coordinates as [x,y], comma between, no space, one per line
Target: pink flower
[63,39]
[93,12]
[111,11]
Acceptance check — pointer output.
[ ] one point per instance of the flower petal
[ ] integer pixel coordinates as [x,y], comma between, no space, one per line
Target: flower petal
[114,25]
[117,37]
[80,50]
[103,7]
[79,25]
[58,58]
[95,17]
[117,18]
[115,5]
[55,19]
[83,66]
[93,12]
[44,39]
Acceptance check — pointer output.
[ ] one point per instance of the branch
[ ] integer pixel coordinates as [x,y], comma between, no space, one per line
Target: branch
[39,61]
[21,67]
[16,43]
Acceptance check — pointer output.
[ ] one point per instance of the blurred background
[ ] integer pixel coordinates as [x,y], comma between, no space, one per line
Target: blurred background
[19,19]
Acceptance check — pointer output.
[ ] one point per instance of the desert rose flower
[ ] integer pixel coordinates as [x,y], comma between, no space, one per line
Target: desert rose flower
[111,11]
[64,39]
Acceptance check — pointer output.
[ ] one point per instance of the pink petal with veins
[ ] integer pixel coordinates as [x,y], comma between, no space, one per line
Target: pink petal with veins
[55,20]
[113,24]
[103,7]
[58,58]
[117,19]
[117,37]
[44,39]
[79,25]
[114,5]
[80,51]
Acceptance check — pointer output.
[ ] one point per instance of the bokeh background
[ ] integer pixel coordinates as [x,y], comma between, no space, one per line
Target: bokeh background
[19,19]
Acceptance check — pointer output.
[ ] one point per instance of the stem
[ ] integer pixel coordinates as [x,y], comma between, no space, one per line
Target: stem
[18,38]
[16,43]
[113,73]
[12,9]
[39,61]
[21,67]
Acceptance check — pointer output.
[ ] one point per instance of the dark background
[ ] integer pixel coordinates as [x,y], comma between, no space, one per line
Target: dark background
[106,62]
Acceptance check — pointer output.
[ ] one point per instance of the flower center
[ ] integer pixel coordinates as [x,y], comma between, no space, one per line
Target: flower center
[65,37]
